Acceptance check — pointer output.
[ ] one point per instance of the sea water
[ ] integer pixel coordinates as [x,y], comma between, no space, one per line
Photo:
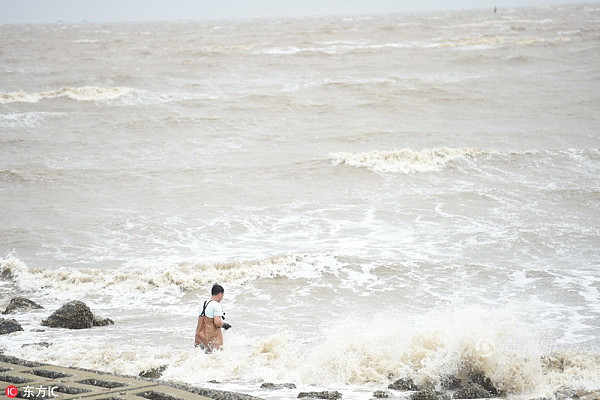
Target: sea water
[411,195]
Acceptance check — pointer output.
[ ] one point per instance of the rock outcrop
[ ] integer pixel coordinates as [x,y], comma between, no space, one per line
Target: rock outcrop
[9,326]
[21,304]
[277,386]
[74,315]
[473,385]
[325,395]
[153,373]
[427,395]
[381,394]
[472,391]
[403,384]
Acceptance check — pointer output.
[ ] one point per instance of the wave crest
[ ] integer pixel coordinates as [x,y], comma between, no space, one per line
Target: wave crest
[432,352]
[404,161]
[83,93]
[151,281]
[26,120]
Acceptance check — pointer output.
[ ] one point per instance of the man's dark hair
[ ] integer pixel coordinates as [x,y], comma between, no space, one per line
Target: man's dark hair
[216,289]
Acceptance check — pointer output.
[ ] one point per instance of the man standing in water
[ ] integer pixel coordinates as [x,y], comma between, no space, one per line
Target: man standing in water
[210,322]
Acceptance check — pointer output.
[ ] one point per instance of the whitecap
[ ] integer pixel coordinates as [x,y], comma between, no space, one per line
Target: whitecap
[404,161]
[152,282]
[83,93]
[26,119]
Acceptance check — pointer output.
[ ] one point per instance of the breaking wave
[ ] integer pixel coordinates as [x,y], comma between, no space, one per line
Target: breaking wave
[150,281]
[496,40]
[344,47]
[125,96]
[404,161]
[336,47]
[83,93]
[437,347]
[26,119]
[432,350]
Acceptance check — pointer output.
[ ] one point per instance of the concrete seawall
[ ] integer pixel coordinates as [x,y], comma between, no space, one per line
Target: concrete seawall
[34,380]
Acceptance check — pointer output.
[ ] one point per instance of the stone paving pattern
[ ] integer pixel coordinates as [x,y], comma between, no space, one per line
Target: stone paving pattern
[35,380]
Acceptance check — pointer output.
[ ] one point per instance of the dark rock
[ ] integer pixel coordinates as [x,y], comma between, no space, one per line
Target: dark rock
[326,395]
[485,383]
[153,373]
[9,326]
[270,386]
[426,395]
[404,384]
[152,395]
[565,393]
[472,391]
[19,361]
[102,321]
[381,394]
[277,386]
[591,395]
[21,304]
[451,382]
[74,315]
[40,344]
[212,393]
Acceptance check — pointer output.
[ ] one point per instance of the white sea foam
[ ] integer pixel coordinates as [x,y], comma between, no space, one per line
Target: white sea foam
[83,93]
[427,349]
[26,119]
[404,161]
[483,42]
[487,42]
[430,349]
[125,95]
[151,282]
[336,47]
[85,41]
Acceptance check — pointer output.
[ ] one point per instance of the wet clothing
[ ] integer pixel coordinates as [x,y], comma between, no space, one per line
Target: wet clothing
[208,335]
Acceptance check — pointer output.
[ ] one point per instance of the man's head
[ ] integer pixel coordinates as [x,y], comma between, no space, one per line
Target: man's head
[217,292]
